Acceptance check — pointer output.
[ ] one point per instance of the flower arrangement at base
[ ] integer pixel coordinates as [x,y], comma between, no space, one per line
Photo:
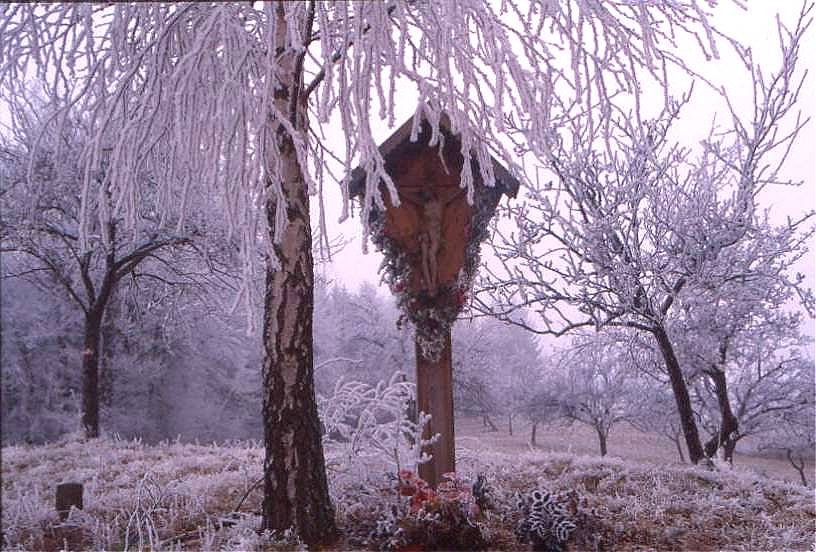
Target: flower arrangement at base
[444,518]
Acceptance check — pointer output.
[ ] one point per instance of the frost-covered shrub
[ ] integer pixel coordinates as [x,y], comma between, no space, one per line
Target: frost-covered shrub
[241,533]
[620,505]
[369,431]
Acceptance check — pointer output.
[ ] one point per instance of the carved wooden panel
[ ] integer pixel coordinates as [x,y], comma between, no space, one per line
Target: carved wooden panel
[432,222]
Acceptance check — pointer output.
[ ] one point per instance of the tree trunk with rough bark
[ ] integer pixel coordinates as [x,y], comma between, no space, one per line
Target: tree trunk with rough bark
[295,485]
[108,338]
[601,440]
[296,493]
[681,396]
[679,446]
[90,372]
[728,433]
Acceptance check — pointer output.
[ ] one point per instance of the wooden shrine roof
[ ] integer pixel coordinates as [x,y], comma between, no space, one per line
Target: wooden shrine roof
[400,143]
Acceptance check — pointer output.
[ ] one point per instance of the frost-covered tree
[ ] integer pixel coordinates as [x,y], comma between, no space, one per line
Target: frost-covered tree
[545,405]
[771,394]
[177,364]
[238,96]
[781,404]
[496,369]
[597,383]
[520,371]
[357,337]
[42,203]
[744,316]
[172,364]
[475,374]
[40,398]
[633,223]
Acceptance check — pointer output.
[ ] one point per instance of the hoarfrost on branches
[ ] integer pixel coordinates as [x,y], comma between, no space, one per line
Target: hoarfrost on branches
[636,225]
[185,89]
[238,101]
[367,425]
[42,208]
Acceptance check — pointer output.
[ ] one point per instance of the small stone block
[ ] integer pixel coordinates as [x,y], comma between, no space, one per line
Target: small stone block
[68,494]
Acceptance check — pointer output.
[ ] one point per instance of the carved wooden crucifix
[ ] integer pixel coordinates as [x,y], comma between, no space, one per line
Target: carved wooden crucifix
[431,243]
[431,205]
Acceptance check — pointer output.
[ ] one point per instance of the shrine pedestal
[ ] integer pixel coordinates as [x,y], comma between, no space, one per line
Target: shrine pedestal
[435,397]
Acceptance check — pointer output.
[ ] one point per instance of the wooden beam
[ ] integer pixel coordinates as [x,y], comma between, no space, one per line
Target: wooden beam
[435,397]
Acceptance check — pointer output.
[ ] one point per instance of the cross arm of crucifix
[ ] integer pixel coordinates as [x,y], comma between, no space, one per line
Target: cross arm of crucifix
[419,196]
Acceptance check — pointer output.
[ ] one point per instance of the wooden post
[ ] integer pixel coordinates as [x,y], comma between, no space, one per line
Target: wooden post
[435,397]
[68,494]
[430,241]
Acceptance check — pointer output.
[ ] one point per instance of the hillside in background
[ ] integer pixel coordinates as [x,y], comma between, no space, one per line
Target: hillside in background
[625,442]
[185,496]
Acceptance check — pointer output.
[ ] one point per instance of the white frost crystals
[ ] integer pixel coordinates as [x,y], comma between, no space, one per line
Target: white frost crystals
[369,425]
[184,90]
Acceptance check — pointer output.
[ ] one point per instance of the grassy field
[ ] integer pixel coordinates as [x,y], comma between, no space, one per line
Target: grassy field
[624,442]
[177,496]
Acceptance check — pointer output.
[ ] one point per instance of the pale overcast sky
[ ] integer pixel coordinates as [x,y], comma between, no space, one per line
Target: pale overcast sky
[755,27]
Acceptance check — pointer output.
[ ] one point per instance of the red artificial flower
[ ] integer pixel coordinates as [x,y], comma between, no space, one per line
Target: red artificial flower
[407,483]
[423,495]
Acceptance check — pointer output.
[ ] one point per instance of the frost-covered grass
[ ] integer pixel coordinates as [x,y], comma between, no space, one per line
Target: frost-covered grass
[183,496]
[624,442]
[135,495]
[640,506]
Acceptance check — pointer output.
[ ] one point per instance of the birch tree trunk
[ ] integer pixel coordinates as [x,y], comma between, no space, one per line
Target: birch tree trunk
[296,492]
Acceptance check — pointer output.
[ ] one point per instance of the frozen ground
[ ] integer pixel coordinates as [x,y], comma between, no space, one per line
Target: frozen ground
[183,496]
[624,442]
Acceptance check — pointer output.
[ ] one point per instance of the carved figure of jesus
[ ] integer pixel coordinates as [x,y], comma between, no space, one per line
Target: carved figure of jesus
[430,241]
[431,213]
